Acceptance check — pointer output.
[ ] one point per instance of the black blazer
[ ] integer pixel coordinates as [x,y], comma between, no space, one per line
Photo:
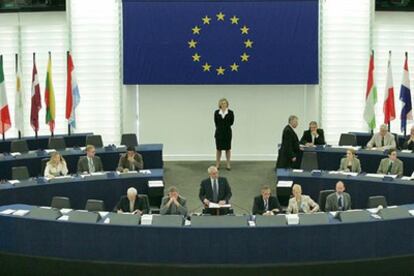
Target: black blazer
[223,125]
[139,204]
[288,149]
[408,146]
[307,137]
[206,191]
[258,204]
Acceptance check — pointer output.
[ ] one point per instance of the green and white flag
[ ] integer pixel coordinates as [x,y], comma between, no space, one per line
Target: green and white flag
[371,96]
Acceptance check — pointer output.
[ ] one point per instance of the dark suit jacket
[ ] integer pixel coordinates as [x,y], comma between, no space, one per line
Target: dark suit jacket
[332,202]
[206,191]
[84,167]
[124,163]
[139,204]
[258,204]
[307,137]
[408,146]
[289,149]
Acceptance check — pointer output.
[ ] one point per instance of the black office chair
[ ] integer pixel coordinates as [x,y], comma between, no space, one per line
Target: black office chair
[60,202]
[43,163]
[375,201]
[309,161]
[57,143]
[322,198]
[347,139]
[20,173]
[19,146]
[95,205]
[146,202]
[397,143]
[129,140]
[94,140]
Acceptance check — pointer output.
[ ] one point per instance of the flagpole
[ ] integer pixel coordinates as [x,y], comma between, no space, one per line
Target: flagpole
[2,123]
[51,131]
[17,62]
[389,60]
[67,72]
[34,62]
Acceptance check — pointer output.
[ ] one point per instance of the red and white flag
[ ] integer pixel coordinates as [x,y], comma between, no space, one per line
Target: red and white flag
[389,106]
[36,100]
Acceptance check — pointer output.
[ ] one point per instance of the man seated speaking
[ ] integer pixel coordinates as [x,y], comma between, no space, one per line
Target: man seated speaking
[382,140]
[130,161]
[214,189]
[338,201]
[90,163]
[266,204]
[131,203]
[173,203]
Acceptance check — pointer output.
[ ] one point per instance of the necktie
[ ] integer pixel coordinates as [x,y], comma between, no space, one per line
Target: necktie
[131,206]
[215,191]
[266,205]
[340,205]
[389,168]
[382,141]
[91,166]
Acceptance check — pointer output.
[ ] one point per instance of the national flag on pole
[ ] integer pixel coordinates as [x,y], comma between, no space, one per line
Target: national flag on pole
[389,106]
[405,97]
[19,102]
[72,92]
[36,100]
[5,122]
[370,96]
[50,97]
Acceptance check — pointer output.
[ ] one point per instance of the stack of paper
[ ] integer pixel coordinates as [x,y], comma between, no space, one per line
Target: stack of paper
[146,220]
[7,212]
[216,205]
[21,213]
[155,183]
[292,219]
[284,183]
[14,182]
[15,153]
[376,175]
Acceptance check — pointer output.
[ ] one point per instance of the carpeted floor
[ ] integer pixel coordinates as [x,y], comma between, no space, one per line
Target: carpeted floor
[245,178]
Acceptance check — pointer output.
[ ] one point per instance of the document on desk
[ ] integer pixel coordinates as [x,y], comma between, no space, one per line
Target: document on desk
[284,183]
[7,212]
[347,147]
[297,171]
[21,213]
[145,171]
[63,218]
[411,212]
[65,211]
[376,175]
[155,183]
[14,182]
[15,153]
[49,151]
[103,214]
[292,219]
[213,205]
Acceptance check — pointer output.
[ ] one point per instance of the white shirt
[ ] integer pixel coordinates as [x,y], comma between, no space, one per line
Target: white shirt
[51,170]
[223,113]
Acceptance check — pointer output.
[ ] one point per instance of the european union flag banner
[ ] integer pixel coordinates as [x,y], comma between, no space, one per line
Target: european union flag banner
[220,42]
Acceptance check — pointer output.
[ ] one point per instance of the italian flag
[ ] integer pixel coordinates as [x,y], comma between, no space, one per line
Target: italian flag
[50,97]
[5,122]
[370,96]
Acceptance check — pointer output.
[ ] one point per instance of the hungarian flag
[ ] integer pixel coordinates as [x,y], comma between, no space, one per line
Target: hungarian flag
[370,96]
[72,93]
[19,102]
[405,97]
[50,97]
[389,106]
[5,122]
[36,101]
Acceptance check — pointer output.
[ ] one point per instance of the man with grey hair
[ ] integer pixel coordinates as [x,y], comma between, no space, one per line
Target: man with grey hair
[131,203]
[214,189]
[289,152]
[382,140]
[313,136]
[173,203]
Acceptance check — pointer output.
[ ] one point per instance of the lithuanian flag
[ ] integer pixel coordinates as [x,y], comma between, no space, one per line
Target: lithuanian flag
[50,97]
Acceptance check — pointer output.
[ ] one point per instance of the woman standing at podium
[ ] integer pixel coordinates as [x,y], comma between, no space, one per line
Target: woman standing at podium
[223,119]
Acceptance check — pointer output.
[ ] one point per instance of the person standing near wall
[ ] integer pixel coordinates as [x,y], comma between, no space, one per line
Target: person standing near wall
[223,120]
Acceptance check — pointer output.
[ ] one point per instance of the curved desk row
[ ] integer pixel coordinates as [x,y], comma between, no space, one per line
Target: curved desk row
[109,189]
[397,191]
[240,245]
[151,153]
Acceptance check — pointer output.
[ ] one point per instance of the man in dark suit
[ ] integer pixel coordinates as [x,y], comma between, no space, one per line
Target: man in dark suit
[131,203]
[214,189]
[266,204]
[90,163]
[289,152]
[338,201]
[313,136]
[130,161]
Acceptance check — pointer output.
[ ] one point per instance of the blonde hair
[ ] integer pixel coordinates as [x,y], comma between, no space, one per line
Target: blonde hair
[296,187]
[52,155]
[89,147]
[352,151]
[222,100]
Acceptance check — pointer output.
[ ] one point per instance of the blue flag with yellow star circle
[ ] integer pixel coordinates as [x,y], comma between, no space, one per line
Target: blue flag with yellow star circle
[220,42]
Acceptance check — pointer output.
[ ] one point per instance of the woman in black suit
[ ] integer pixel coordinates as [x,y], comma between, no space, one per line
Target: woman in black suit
[223,119]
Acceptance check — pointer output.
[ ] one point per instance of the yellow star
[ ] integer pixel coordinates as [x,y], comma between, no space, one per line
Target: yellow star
[245,57]
[206,20]
[234,20]
[196,30]
[220,16]
[206,67]
[192,43]
[220,71]
[196,57]
[234,67]
[248,43]
[244,30]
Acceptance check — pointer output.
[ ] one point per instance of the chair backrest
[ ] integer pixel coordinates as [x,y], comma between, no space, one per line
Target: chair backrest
[43,163]
[309,161]
[19,146]
[57,143]
[146,201]
[95,140]
[129,140]
[375,201]
[20,173]
[397,143]
[95,205]
[347,139]
[60,202]
[322,198]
